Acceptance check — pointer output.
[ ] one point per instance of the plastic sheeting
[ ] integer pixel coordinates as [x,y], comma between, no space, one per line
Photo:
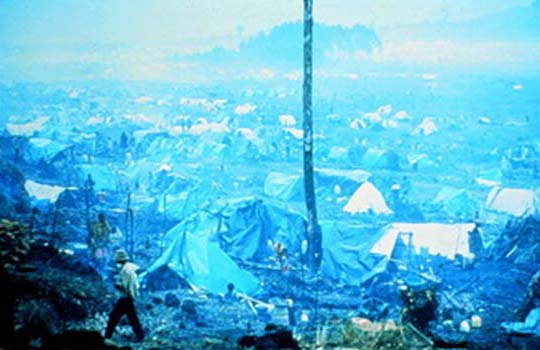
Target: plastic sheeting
[41,192]
[45,149]
[290,187]
[346,253]
[456,202]
[284,186]
[178,204]
[250,224]
[195,255]
[380,159]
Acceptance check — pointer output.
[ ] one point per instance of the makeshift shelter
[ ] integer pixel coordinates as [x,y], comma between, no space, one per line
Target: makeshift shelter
[380,159]
[337,153]
[193,252]
[517,242]
[456,202]
[27,129]
[346,256]
[289,187]
[41,148]
[180,201]
[41,194]
[286,187]
[367,199]
[71,197]
[401,239]
[513,201]
[249,225]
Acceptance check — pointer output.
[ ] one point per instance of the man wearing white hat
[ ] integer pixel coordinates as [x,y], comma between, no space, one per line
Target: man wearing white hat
[128,288]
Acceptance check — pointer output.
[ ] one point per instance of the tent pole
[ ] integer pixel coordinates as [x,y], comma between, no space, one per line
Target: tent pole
[313,230]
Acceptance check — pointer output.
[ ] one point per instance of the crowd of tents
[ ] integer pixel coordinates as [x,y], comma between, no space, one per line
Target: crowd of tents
[161,160]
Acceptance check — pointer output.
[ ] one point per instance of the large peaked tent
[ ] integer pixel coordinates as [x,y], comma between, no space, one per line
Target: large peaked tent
[366,199]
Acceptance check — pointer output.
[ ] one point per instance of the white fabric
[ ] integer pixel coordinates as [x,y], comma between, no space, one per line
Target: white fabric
[367,198]
[513,201]
[27,129]
[439,239]
[43,192]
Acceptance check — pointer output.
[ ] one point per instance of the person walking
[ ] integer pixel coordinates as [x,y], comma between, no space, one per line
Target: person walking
[128,289]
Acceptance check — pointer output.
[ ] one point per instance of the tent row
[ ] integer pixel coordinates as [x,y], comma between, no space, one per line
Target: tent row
[206,248]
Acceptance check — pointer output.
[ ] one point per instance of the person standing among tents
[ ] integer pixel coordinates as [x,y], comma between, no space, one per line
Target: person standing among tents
[127,286]
[476,244]
[99,242]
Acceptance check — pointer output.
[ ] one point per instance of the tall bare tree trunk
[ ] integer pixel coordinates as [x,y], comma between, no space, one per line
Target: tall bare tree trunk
[313,229]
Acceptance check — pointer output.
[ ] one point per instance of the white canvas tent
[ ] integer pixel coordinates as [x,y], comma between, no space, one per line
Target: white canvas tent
[366,199]
[513,201]
[447,240]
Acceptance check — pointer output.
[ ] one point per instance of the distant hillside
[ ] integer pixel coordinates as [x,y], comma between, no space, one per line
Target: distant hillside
[518,24]
[283,45]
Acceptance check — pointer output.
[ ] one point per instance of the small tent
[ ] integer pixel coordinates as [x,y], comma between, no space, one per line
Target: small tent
[367,199]
[195,255]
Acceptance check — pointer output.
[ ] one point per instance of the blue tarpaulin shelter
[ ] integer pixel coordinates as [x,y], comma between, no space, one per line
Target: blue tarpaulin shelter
[45,149]
[249,224]
[456,202]
[380,159]
[195,255]
[346,253]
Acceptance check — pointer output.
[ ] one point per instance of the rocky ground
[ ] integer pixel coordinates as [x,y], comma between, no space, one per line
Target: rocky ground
[56,291]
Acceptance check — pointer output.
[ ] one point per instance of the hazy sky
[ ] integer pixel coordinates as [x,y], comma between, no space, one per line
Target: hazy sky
[196,23]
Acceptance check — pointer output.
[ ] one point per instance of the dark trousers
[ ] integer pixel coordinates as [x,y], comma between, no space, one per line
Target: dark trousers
[124,306]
